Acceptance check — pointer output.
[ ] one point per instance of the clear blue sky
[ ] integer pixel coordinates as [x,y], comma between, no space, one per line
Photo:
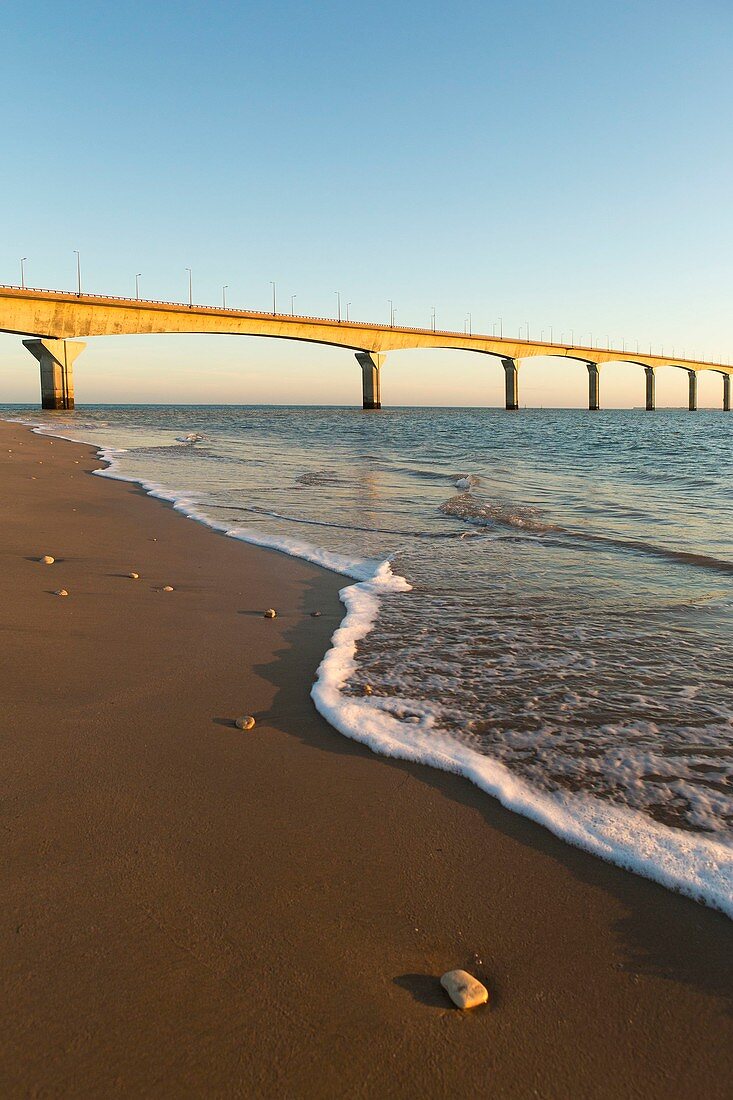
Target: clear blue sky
[553,161]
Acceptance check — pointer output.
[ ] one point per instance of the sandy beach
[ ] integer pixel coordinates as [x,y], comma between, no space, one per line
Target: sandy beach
[193,910]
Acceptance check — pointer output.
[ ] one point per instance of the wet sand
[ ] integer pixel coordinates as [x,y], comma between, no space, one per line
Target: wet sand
[192,910]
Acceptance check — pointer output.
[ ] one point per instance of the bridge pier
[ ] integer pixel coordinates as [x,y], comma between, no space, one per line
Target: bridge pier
[692,403]
[371,365]
[56,358]
[511,380]
[651,389]
[594,376]
[726,393]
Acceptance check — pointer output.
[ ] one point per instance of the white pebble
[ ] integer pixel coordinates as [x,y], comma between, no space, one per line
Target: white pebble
[61,592]
[464,990]
[271,613]
[245,723]
[167,587]
[134,576]
[47,559]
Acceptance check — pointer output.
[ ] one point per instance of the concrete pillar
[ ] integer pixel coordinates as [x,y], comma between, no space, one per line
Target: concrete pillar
[371,364]
[692,405]
[57,375]
[651,389]
[511,378]
[593,387]
[726,393]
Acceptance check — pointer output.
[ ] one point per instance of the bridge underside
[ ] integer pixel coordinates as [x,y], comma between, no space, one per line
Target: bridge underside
[56,358]
[56,320]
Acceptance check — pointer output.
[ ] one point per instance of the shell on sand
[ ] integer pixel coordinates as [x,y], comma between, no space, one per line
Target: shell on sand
[61,592]
[463,989]
[167,587]
[245,723]
[47,559]
[134,576]
[271,613]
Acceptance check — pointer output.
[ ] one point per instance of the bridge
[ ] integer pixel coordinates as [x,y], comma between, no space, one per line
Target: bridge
[55,320]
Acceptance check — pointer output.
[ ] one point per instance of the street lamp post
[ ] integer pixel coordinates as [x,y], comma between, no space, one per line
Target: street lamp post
[348,307]
[137,285]
[190,288]
[501,328]
[292,304]
[22,272]
[432,318]
[470,325]
[78,274]
[274,298]
[391,313]
[224,295]
[338,304]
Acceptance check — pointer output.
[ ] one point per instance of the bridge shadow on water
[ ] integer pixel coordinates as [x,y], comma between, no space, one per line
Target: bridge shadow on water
[660,933]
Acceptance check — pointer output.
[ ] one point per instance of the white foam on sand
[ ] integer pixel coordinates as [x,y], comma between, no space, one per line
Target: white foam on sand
[688,862]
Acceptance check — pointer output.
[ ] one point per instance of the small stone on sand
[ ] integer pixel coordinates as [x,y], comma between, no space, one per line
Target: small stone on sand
[271,613]
[47,559]
[134,576]
[167,587]
[464,990]
[61,592]
[315,614]
[367,689]
[245,723]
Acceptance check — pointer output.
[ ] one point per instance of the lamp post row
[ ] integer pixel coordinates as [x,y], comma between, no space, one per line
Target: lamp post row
[225,287]
[467,324]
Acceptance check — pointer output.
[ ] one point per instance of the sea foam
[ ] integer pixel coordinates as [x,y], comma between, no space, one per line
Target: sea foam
[685,861]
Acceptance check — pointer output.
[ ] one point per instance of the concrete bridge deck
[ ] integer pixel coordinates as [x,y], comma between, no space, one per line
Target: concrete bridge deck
[56,319]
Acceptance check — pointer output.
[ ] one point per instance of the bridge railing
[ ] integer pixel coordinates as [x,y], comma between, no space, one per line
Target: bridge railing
[340,321]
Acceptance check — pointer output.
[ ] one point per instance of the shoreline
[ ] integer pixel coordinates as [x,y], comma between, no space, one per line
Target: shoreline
[691,863]
[296,893]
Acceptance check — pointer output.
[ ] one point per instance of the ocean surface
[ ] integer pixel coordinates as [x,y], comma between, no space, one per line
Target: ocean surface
[542,601]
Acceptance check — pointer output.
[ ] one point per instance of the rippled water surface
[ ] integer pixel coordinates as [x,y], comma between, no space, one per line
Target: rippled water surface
[571,611]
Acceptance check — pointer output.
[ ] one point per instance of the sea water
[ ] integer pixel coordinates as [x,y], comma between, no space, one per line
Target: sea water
[541,601]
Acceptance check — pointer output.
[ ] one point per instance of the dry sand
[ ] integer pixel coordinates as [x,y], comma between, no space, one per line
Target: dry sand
[190,910]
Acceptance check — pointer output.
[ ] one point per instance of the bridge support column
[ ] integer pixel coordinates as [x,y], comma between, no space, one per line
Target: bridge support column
[726,393]
[651,389]
[692,404]
[594,403]
[56,358]
[511,379]
[371,365]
